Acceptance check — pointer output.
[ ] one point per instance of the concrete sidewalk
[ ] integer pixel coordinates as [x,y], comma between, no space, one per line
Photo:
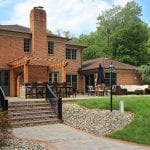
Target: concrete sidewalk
[63,137]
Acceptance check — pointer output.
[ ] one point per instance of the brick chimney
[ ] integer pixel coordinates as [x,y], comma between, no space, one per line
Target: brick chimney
[39,31]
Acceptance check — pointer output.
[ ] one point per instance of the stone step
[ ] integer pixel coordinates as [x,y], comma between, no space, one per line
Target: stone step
[25,113]
[28,101]
[28,104]
[30,113]
[16,118]
[29,108]
[34,123]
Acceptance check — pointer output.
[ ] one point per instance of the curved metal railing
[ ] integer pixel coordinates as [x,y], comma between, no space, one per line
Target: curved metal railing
[54,100]
[3,100]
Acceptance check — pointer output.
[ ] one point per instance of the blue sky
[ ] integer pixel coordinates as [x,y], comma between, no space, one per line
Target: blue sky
[76,16]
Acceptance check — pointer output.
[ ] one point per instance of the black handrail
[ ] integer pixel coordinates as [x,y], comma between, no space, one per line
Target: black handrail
[3,100]
[54,100]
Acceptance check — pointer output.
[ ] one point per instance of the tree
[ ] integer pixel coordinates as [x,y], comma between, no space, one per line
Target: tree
[66,34]
[144,72]
[92,50]
[120,35]
[125,34]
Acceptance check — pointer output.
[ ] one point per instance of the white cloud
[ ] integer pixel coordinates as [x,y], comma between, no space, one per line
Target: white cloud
[120,2]
[76,16]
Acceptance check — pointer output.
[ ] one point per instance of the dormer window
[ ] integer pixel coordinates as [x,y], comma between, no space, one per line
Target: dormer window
[26,45]
[50,47]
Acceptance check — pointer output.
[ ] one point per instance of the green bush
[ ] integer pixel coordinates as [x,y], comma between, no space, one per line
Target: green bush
[144,72]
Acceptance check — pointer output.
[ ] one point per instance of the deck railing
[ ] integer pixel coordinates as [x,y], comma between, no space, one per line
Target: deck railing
[54,100]
[3,100]
[38,90]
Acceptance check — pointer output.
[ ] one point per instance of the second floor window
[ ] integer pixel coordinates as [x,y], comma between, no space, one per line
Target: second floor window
[50,47]
[71,53]
[26,45]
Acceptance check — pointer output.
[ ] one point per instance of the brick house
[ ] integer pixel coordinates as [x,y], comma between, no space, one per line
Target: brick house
[33,54]
[124,74]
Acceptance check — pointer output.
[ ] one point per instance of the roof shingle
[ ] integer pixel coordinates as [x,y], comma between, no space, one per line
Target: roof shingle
[16,28]
[105,62]
[22,29]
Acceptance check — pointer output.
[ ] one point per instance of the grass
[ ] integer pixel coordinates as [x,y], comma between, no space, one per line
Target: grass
[138,130]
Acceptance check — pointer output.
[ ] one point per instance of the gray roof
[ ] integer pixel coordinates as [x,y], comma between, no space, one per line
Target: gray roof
[22,29]
[71,42]
[15,28]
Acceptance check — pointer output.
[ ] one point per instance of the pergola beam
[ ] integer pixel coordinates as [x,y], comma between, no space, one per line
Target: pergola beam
[19,62]
[58,65]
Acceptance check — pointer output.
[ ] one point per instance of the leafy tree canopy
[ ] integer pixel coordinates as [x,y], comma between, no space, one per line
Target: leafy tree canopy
[120,35]
[144,72]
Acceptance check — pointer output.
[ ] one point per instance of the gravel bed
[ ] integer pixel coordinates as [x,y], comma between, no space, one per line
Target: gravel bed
[95,121]
[22,144]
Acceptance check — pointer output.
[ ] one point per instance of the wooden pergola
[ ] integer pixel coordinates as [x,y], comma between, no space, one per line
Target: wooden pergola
[25,61]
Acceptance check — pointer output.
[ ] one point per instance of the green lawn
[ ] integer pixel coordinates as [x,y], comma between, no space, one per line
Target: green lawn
[138,130]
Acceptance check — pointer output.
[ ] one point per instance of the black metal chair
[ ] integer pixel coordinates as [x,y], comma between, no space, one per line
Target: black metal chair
[64,89]
[117,90]
[28,90]
[34,89]
[39,90]
[74,89]
[56,89]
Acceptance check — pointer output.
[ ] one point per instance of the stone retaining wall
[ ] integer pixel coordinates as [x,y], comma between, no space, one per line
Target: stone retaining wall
[94,120]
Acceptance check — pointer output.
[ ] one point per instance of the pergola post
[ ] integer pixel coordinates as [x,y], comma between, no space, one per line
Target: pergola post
[26,79]
[13,82]
[63,71]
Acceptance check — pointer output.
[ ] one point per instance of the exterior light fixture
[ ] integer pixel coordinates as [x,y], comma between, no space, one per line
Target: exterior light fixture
[111,69]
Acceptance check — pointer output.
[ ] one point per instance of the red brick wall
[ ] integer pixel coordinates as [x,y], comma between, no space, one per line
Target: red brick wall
[39,31]
[38,74]
[74,65]
[11,47]
[128,77]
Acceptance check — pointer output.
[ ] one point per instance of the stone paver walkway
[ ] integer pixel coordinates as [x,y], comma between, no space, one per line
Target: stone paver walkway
[63,137]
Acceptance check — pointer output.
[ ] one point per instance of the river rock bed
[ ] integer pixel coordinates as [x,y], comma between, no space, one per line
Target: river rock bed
[95,121]
[22,144]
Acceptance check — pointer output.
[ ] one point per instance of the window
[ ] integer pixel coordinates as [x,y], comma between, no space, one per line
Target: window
[53,77]
[0,79]
[6,76]
[70,79]
[26,45]
[50,47]
[71,53]
[107,79]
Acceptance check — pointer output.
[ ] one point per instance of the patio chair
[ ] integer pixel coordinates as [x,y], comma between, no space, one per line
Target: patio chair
[28,90]
[40,88]
[74,89]
[147,90]
[91,90]
[34,89]
[117,90]
[100,89]
[56,89]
